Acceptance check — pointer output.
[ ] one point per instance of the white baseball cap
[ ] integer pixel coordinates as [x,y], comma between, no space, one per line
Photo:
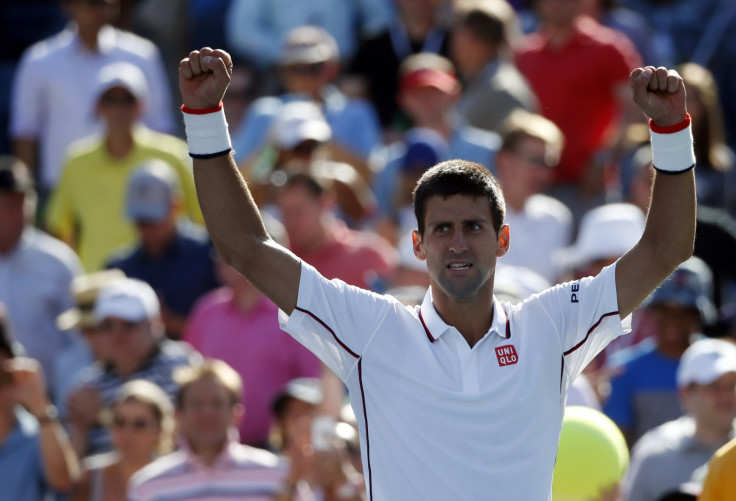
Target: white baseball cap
[126,75]
[299,121]
[128,298]
[705,361]
[606,231]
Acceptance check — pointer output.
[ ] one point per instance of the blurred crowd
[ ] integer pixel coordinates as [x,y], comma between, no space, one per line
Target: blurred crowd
[134,364]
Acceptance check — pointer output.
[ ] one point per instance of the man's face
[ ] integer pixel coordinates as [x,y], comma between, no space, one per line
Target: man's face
[303,78]
[12,217]
[524,171]
[207,413]
[713,405]
[302,215]
[118,108]
[426,104]
[128,343]
[92,15]
[675,324]
[460,245]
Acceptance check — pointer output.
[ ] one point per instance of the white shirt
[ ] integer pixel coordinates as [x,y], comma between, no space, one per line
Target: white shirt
[34,287]
[542,227]
[439,420]
[54,92]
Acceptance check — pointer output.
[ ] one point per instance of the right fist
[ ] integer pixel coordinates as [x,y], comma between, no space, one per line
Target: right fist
[204,77]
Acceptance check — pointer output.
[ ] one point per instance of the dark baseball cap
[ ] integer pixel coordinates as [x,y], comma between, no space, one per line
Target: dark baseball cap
[14,175]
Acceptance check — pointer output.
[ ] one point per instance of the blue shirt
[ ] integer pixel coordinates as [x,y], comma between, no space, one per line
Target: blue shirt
[644,392]
[183,273]
[354,123]
[21,468]
[467,143]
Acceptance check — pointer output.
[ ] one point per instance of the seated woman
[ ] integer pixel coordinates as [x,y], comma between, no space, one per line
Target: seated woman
[141,424]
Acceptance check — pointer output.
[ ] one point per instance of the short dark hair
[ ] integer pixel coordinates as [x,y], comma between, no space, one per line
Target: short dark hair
[459,177]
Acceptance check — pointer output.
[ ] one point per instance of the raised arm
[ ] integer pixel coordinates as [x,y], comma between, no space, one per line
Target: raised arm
[669,234]
[231,215]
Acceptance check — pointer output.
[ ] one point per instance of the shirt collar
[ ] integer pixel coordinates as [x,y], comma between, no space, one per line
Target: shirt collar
[435,327]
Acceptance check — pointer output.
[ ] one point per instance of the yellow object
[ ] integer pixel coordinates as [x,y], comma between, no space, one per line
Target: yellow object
[87,207]
[592,456]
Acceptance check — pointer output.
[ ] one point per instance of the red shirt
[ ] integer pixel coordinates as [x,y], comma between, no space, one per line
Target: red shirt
[576,86]
[357,258]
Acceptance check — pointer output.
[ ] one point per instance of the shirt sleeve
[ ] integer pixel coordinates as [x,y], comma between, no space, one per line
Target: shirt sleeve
[585,315]
[334,320]
[27,100]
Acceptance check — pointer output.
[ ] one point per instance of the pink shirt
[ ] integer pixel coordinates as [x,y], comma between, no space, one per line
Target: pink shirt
[253,344]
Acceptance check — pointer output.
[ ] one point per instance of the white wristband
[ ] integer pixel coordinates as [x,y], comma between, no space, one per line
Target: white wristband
[207,133]
[672,152]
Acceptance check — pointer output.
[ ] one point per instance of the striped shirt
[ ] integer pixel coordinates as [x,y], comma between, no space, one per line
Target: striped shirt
[240,472]
[158,369]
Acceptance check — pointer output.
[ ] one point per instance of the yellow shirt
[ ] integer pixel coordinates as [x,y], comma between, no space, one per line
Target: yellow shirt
[87,206]
[720,484]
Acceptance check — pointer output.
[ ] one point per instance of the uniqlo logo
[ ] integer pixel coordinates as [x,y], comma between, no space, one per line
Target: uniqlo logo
[506,355]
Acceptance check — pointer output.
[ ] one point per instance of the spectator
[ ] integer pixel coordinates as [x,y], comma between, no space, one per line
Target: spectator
[565,51]
[428,91]
[482,34]
[720,482]
[417,27]
[299,140]
[209,463]
[255,28]
[128,314]
[716,179]
[36,268]
[644,393]
[667,455]
[319,238]
[525,165]
[87,206]
[173,256]
[53,100]
[35,454]
[605,234]
[141,424]
[308,64]
[88,345]
[239,325]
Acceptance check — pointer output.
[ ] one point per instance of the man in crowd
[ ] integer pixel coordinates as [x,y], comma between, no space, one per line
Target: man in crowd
[667,456]
[36,268]
[210,462]
[644,393]
[51,106]
[86,208]
[173,256]
[128,314]
[35,454]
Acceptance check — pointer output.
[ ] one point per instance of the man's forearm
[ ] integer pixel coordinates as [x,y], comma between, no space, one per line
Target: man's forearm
[59,460]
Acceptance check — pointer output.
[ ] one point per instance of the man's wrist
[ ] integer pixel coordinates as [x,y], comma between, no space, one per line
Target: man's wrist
[207,131]
[672,147]
[47,415]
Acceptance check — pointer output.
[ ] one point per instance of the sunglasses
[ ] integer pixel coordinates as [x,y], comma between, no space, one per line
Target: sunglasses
[120,99]
[136,424]
[125,325]
[305,69]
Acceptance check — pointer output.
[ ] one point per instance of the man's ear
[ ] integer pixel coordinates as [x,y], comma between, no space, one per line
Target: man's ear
[416,242]
[503,240]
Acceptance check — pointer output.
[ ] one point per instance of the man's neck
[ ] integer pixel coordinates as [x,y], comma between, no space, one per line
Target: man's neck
[208,455]
[711,436]
[321,238]
[119,143]
[559,35]
[472,318]
[159,248]
[246,298]
[8,245]
[89,39]
[418,27]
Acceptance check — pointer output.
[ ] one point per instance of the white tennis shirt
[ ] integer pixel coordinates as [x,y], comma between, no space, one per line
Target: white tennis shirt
[439,420]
